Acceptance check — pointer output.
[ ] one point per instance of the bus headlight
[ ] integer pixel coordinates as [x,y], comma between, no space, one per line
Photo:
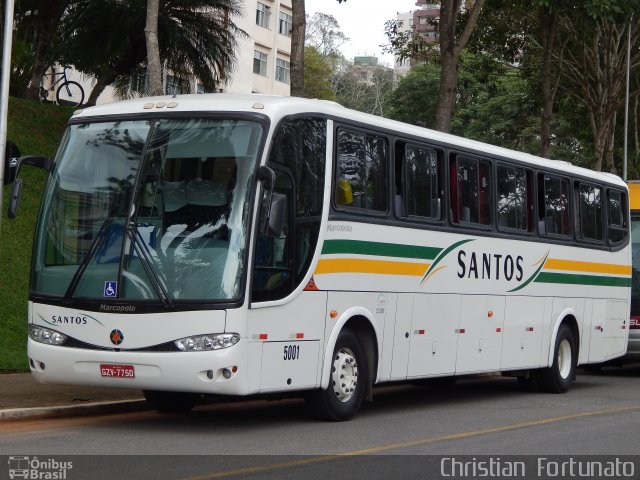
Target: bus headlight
[211,341]
[45,335]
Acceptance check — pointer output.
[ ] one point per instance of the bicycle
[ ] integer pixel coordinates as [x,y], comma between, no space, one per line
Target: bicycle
[69,92]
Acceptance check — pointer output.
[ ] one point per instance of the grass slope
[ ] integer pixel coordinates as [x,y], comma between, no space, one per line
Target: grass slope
[36,129]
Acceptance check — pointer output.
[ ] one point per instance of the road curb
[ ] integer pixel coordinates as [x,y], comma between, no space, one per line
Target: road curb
[93,408]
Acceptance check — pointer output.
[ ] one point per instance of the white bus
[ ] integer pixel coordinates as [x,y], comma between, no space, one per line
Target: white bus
[249,245]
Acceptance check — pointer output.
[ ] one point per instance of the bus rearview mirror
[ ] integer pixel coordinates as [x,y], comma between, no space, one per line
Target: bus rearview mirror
[11,155]
[14,201]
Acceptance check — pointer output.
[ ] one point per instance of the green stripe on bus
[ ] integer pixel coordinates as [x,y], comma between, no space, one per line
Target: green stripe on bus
[570,279]
[358,247]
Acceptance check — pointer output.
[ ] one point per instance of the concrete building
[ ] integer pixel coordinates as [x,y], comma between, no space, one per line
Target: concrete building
[263,59]
[421,21]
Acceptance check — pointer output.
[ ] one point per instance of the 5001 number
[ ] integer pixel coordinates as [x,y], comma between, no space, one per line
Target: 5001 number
[291,352]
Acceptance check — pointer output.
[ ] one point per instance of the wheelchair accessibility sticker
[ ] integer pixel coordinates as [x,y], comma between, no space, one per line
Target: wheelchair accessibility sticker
[111,289]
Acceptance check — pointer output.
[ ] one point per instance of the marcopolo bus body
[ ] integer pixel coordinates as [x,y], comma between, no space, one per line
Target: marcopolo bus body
[239,245]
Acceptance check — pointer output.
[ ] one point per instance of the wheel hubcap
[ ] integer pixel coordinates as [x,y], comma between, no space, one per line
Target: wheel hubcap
[344,375]
[564,358]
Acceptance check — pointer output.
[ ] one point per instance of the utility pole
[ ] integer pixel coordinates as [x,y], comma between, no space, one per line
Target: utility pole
[4,96]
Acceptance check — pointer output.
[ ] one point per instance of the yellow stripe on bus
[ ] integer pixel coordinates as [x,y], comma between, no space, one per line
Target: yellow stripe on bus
[350,265]
[576,266]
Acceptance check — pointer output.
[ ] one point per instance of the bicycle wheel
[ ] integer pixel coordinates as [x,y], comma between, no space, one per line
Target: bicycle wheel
[70,93]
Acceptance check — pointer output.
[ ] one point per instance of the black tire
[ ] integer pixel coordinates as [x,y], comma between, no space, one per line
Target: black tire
[171,402]
[347,383]
[558,377]
[70,93]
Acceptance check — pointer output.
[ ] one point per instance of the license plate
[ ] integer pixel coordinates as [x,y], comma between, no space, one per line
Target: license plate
[118,371]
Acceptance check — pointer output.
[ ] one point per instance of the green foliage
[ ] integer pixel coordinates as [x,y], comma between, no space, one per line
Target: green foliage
[415,97]
[105,38]
[317,72]
[36,129]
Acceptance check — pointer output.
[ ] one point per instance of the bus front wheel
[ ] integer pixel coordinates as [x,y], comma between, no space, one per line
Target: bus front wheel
[349,372]
[171,402]
[558,377]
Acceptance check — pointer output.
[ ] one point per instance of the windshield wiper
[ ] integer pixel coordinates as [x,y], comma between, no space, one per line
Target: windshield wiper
[147,264]
[97,241]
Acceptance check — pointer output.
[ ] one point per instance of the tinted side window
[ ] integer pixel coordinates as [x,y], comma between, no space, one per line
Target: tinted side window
[617,219]
[590,198]
[361,171]
[554,206]
[513,198]
[472,191]
[298,155]
[422,169]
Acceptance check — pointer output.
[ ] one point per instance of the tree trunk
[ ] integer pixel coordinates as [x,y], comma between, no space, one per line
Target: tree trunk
[48,17]
[451,46]
[101,83]
[548,22]
[297,47]
[611,139]
[154,68]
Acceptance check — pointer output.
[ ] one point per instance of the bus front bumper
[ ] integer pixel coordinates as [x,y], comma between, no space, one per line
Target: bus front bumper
[221,371]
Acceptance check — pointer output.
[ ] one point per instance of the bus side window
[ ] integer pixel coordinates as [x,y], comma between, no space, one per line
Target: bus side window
[423,182]
[618,230]
[472,189]
[513,198]
[361,171]
[590,211]
[553,205]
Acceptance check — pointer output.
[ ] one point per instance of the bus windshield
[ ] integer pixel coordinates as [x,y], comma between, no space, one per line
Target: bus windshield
[148,210]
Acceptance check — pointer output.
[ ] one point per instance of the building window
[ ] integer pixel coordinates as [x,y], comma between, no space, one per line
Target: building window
[260,63]
[263,13]
[282,70]
[285,24]
[176,85]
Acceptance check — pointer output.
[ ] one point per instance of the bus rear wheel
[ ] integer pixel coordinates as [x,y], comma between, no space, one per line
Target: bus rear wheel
[558,377]
[349,372]
[171,402]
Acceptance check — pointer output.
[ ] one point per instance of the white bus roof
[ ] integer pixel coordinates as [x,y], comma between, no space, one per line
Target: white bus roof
[276,107]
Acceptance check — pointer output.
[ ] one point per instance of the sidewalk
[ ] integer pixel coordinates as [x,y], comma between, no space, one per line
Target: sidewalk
[21,396]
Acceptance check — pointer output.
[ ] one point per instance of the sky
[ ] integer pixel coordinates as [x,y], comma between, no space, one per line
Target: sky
[363,22]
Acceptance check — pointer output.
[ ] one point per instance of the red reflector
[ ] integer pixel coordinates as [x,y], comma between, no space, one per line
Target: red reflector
[498,330]
[529,329]
[299,335]
[420,332]
[460,330]
[263,336]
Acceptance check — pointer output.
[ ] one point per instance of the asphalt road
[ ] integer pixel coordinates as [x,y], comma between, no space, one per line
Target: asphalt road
[404,433]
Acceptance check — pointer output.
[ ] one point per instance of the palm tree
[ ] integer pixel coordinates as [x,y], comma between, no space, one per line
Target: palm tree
[106,39]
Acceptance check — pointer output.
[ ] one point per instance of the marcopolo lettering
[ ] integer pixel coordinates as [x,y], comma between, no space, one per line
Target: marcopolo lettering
[489,266]
[117,308]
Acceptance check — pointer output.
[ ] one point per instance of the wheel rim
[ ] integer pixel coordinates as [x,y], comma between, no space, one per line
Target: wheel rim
[344,375]
[564,358]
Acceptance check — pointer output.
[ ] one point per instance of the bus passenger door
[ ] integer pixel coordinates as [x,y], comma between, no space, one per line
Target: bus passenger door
[480,333]
[433,334]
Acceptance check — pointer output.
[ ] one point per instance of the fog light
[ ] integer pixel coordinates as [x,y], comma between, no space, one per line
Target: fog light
[226,373]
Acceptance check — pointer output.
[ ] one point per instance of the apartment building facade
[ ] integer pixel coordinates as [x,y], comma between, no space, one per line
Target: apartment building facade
[262,59]
[422,21]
